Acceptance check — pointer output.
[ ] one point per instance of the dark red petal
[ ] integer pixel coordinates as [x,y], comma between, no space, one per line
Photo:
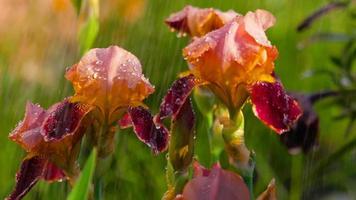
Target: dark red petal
[273,106]
[125,121]
[53,173]
[30,172]
[176,96]
[154,135]
[179,20]
[63,119]
[219,184]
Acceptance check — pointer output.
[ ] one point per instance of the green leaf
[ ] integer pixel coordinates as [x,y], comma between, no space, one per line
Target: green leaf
[90,29]
[81,187]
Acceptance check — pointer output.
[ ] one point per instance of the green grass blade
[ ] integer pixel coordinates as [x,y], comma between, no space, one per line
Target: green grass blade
[81,188]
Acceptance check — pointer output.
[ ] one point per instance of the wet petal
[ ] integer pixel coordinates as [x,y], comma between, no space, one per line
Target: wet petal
[219,184]
[256,23]
[177,96]
[237,54]
[30,172]
[63,119]
[198,21]
[54,134]
[109,78]
[153,134]
[274,107]
[27,132]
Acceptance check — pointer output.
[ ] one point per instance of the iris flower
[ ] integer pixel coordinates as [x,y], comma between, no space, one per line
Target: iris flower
[236,61]
[51,139]
[197,22]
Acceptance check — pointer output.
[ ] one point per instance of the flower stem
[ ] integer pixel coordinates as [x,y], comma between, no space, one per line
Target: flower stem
[296,175]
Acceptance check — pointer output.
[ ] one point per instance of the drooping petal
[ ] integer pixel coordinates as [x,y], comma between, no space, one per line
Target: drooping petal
[274,107]
[30,172]
[153,134]
[219,184]
[109,78]
[63,119]
[198,21]
[176,96]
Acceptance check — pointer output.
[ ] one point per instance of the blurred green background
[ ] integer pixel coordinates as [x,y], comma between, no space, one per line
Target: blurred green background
[38,41]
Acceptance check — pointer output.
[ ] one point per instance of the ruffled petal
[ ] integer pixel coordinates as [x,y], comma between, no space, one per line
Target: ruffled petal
[234,56]
[198,21]
[53,134]
[153,134]
[109,79]
[274,107]
[63,119]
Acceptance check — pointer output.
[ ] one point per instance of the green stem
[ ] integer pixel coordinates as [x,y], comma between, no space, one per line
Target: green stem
[296,176]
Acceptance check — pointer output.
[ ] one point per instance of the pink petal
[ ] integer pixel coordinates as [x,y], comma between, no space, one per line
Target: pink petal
[125,121]
[219,184]
[273,106]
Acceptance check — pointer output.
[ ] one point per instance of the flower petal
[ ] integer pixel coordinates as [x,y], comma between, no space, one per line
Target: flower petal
[109,78]
[153,134]
[198,21]
[54,134]
[63,119]
[177,96]
[27,134]
[219,184]
[234,56]
[274,107]
[30,172]
[256,23]
[53,173]
[125,121]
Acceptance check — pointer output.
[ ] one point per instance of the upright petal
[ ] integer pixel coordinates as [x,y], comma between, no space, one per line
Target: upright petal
[274,107]
[199,21]
[109,78]
[234,56]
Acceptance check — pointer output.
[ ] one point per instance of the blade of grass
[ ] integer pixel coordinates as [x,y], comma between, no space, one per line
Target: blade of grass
[81,188]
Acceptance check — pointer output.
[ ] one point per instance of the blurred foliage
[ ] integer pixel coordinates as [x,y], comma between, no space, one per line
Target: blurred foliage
[39,41]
